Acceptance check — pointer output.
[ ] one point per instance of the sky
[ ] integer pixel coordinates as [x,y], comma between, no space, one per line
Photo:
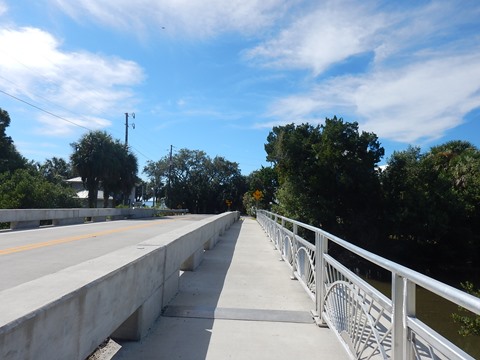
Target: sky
[218,75]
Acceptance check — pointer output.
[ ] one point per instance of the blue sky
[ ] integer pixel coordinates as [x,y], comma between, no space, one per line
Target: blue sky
[217,75]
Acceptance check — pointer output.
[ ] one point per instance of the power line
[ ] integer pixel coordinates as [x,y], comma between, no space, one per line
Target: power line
[43,110]
[64,119]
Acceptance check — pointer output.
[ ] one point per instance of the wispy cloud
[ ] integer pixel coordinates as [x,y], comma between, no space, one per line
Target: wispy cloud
[3,7]
[420,83]
[36,68]
[331,33]
[198,19]
[421,78]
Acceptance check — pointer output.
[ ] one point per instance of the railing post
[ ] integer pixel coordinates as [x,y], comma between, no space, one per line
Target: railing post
[321,248]
[409,311]
[397,317]
[293,250]
[403,300]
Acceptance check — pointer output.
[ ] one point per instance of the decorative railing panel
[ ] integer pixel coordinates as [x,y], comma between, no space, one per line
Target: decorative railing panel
[369,324]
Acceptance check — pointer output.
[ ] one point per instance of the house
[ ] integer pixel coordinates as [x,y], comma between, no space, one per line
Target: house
[77,184]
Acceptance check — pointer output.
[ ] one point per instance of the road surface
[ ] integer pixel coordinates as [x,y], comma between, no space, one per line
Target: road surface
[26,255]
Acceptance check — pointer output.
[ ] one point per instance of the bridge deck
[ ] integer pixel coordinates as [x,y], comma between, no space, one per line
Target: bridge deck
[239,304]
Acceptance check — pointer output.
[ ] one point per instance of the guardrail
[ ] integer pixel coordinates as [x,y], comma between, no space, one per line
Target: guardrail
[369,324]
[68,314]
[31,218]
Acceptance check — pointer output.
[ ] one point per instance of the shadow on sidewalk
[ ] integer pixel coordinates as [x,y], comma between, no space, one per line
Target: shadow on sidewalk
[184,330]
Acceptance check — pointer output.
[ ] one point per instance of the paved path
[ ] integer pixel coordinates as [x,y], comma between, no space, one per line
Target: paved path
[239,304]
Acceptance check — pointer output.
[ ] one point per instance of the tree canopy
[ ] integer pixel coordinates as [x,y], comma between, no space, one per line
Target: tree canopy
[98,159]
[432,213]
[193,180]
[27,189]
[327,175]
[10,158]
[265,181]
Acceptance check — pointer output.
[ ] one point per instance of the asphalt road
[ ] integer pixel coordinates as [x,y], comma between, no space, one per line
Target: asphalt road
[29,254]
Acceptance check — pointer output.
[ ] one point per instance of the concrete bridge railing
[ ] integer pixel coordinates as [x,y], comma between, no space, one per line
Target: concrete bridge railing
[66,315]
[31,218]
[369,324]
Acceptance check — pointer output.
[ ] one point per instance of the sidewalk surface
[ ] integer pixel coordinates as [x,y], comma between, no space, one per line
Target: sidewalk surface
[240,303]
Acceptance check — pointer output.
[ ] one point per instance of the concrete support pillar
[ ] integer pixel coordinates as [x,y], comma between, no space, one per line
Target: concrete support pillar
[138,324]
[24,224]
[68,221]
[210,244]
[193,261]
[170,287]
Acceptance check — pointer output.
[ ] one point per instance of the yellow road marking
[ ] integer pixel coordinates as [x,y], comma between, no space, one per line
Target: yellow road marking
[74,238]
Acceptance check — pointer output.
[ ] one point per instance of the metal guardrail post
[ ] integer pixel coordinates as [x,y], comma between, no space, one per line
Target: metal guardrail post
[403,300]
[321,248]
[409,311]
[397,317]
[293,250]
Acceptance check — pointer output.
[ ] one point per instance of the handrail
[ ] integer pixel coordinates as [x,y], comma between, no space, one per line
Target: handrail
[391,316]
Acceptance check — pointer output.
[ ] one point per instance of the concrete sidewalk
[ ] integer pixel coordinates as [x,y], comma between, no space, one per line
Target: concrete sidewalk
[238,304]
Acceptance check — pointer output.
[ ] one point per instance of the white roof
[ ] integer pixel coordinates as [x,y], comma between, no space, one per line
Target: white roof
[84,195]
[77,179]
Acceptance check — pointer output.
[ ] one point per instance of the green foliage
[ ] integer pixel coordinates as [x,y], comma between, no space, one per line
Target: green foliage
[100,160]
[328,176]
[24,189]
[56,170]
[10,158]
[422,210]
[469,323]
[249,203]
[194,181]
[432,217]
[264,180]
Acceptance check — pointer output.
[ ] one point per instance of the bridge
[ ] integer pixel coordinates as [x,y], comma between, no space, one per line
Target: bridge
[212,288]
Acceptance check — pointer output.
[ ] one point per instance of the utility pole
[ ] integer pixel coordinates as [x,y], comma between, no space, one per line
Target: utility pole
[126,127]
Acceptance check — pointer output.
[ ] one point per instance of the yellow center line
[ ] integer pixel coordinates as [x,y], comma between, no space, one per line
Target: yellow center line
[74,238]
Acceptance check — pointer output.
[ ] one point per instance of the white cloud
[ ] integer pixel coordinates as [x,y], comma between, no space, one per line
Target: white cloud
[198,19]
[38,70]
[53,126]
[422,81]
[330,34]
[419,101]
[3,7]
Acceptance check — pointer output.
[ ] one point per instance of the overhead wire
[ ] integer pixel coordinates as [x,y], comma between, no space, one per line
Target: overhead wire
[54,104]
[61,117]
[43,110]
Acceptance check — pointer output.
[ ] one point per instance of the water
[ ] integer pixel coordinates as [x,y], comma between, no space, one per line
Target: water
[437,312]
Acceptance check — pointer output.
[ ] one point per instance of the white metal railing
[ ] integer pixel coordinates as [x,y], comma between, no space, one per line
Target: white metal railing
[369,324]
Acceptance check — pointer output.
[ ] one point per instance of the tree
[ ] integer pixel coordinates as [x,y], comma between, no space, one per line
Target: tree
[99,160]
[56,170]
[89,160]
[264,180]
[469,323]
[120,176]
[27,189]
[195,181]
[10,158]
[328,177]
[431,209]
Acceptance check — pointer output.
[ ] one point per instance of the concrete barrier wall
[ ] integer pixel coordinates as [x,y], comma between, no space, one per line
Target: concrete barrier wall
[66,315]
[30,218]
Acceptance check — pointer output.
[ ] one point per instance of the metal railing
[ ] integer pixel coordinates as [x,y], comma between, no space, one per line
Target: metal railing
[369,324]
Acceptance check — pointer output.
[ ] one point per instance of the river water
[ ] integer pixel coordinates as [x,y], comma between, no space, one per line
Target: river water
[437,312]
